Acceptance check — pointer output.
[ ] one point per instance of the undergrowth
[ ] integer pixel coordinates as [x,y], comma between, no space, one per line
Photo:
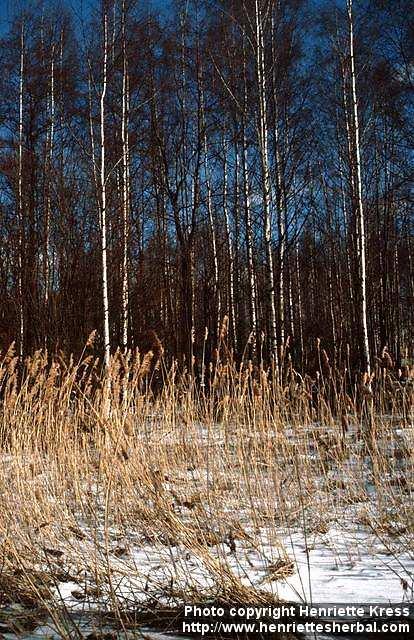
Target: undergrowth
[146,486]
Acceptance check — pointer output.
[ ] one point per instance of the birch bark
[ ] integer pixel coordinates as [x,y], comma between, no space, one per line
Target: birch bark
[361,239]
[125,182]
[104,246]
[20,197]
[49,171]
[263,144]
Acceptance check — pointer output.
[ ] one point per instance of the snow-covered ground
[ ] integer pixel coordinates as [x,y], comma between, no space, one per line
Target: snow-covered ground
[337,566]
[340,566]
[340,542]
[346,567]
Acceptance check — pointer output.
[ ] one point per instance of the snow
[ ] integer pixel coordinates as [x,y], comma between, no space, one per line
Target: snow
[339,565]
[341,568]
[347,557]
[343,546]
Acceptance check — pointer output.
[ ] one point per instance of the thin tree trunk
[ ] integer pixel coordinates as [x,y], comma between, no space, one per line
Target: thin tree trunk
[49,172]
[299,299]
[253,329]
[281,209]
[104,248]
[263,144]
[125,184]
[361,240]
[330,253]
[349,225]
[217,293]
[93,148]
[230,252]
[237,207]
[20,197]
[397,296]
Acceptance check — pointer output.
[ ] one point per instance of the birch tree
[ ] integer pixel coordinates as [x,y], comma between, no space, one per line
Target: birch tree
[360,217]
[50,149]
[20,194]
[125,181]
[281,213]
[103,212]
[266,188]
[253,328]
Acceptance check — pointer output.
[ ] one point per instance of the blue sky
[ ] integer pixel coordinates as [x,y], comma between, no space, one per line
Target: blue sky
[9,7]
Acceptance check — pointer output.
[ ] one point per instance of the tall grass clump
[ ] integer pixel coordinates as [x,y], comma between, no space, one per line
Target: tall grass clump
[147,485]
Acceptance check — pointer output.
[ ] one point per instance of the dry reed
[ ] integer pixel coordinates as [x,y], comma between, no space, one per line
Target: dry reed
[99,467]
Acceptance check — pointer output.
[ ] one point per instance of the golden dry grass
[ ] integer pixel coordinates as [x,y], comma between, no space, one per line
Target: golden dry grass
[97,467]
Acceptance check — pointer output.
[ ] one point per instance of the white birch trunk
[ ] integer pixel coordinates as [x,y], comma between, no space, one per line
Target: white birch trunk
[20,197]
[104,249]
[50,170]
[253,329]
[249,245]
[263,143]
[361,240]
[125,184]
[281,210]
[353,190]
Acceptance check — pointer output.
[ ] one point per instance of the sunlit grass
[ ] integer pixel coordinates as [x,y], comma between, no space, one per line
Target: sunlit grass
[138,486]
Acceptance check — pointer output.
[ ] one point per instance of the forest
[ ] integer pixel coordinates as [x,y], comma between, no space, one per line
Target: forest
[246,163]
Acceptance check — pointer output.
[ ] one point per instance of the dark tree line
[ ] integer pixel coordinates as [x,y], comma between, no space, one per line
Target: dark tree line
[236,170]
